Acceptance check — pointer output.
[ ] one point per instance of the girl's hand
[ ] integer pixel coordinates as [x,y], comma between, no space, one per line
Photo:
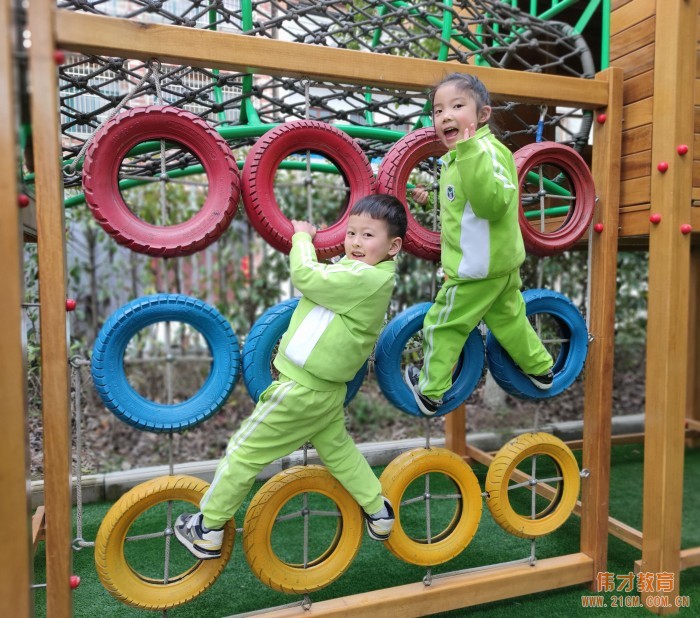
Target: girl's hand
[470,131]
[420,195]
[304,226]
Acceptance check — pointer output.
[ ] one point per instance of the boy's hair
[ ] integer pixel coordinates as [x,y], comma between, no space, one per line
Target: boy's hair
[466,83]
[384,208]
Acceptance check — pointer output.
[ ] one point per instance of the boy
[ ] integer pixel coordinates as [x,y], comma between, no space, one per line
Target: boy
[331,334]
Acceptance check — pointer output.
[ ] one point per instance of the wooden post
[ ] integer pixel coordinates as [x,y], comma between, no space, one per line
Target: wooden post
[15,537]
[597,413]
[693,398]
[456,431]
[669,271]
[52,298]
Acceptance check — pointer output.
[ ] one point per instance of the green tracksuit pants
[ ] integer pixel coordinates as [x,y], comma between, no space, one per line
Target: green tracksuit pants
[287,416]
[458,308]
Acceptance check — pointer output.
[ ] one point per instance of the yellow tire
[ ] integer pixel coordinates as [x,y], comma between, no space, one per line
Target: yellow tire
[549,513]
[318,523]
[141,515]
[404,484]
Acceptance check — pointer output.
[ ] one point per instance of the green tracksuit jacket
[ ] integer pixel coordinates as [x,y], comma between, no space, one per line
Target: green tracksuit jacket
[482,250]
[330,336]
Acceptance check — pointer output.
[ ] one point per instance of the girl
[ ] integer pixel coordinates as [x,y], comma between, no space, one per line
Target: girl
[481,246]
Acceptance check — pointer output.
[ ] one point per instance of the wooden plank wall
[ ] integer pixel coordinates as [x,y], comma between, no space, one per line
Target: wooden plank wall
[632,33]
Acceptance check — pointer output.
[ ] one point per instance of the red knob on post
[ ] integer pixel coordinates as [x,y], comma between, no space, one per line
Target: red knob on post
[602,118]
[59,57]
[70,304]
[662,167]
[655,218]
[23,200]
[74,582]
[686,228]
[682,149]
[598,228]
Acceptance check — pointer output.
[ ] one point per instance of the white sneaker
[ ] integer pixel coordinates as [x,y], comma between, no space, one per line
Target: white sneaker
[203,543]
[379,528]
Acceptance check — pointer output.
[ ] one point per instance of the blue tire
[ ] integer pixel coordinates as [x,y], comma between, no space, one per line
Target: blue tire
[388,363]
[568,363]
[261,343]
[129,406]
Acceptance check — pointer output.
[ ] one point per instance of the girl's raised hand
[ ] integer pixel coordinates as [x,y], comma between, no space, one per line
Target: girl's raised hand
[470,131]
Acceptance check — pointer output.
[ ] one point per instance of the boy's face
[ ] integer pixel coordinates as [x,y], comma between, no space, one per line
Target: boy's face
[454,112]
[367,240]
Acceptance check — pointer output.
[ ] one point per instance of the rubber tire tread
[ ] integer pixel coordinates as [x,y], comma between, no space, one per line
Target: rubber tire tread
[267,154]
[392,178]
[260,519]
[569,362]
[117,576]
[109,147]
[404,470]
[581,214]
[389,349]
[501,468]
[119,396]
[260,344]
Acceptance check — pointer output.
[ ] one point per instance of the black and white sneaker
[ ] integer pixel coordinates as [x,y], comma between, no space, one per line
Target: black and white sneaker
[202,543]
[543,381]
[426,405]
[379,526]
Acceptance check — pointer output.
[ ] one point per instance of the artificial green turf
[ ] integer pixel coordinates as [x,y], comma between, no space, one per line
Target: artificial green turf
[237,590]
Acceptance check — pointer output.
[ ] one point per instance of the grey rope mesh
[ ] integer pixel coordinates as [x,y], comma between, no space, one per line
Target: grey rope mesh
[489,31]
[71,168]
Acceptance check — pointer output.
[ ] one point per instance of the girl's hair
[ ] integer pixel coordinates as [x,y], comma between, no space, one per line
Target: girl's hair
[469,84]
[384,208]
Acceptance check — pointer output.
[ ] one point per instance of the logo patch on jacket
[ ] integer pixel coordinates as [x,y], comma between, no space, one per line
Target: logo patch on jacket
[450,192]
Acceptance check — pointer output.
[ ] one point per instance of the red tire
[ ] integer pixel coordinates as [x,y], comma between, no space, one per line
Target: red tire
[259,175]
[392,178]
[110,146]
[575,223]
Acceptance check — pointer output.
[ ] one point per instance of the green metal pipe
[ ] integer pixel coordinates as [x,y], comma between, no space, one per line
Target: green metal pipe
[325,168]
[552,212]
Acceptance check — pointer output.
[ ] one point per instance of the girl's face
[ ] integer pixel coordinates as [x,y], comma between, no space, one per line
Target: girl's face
[455,114]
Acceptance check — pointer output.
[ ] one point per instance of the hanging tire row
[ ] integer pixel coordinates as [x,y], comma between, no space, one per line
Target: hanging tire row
[567,178]
[323,526]
[396,345]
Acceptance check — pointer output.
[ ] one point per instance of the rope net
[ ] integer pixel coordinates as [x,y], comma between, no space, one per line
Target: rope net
[481,32]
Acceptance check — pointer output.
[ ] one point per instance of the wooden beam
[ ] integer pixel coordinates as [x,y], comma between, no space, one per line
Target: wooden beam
[111,36]
[454,591]
[52,298]
[38,526]
[597,411]
[16,598]
[669,295]
[690,558]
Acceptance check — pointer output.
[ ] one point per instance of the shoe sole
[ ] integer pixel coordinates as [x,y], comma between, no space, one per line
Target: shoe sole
[373,535]
[539,385]
[416,396]
[195,551]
